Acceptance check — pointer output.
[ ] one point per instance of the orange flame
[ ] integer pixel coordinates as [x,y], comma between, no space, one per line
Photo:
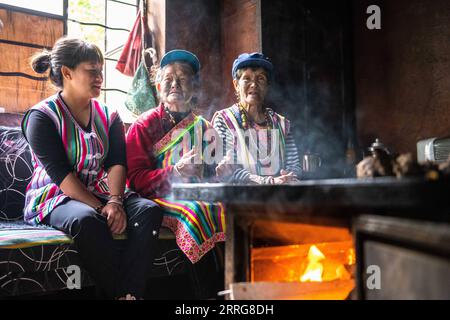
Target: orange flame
[321,269]
[314,269]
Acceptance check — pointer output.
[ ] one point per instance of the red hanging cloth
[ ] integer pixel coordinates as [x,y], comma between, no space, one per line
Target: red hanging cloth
[132,51]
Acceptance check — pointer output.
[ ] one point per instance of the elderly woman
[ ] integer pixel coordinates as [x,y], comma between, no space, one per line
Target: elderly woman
[78,183]
[266,151]
[164,145]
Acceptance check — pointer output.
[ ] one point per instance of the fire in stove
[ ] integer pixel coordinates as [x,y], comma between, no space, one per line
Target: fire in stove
[321,270]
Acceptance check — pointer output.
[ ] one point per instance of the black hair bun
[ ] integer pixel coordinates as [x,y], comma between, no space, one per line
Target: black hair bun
[41,62]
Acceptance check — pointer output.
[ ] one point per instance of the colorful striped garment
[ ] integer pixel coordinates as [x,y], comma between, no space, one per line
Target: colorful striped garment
[86,152]
[197,225]
[249,143]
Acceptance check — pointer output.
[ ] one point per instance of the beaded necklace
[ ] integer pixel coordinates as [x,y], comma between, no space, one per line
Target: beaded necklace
[264,142]
[245,118]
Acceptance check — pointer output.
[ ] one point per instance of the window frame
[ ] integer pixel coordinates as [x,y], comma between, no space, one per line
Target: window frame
[108,53]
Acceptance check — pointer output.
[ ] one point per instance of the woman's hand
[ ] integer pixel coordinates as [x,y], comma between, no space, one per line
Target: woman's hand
[185,166]
[116,217]
[285,177]
[225,167]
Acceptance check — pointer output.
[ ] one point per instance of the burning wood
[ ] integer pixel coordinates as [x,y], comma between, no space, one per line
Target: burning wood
[333,260]
[300,272]
[320,268]
[314,269]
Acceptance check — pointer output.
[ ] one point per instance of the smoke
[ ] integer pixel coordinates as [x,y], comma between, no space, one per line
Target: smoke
[313,104]
[317,123]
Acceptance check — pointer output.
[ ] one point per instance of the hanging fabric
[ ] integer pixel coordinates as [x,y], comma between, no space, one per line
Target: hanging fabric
[141,95]
[137,61]
[137,42]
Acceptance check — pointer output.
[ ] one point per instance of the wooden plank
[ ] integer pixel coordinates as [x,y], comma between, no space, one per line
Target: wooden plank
[17,59]
[333,290]
[30,29]
[19,93]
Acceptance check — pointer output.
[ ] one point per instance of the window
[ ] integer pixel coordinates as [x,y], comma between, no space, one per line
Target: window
[106,23]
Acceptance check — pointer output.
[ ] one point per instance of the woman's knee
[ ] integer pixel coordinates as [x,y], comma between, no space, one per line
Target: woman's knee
[145,213]
[87,221]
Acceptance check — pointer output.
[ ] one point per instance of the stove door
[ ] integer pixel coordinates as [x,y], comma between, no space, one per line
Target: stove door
[402,259]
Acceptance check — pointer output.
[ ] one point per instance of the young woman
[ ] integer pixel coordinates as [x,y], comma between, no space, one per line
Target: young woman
[78,184]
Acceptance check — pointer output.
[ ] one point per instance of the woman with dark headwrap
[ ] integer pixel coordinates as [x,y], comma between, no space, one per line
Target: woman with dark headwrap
[261,139]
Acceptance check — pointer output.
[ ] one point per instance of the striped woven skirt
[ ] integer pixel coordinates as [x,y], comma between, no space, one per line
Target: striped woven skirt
[197,225]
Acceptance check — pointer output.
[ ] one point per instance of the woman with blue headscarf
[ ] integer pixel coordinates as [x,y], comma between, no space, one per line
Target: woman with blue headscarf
[165,145]
[259,146]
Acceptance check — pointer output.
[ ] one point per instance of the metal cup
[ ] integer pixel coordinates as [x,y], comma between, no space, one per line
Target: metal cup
[311,162]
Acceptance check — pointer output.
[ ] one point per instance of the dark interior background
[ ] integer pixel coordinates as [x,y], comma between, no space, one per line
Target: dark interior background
[341,84]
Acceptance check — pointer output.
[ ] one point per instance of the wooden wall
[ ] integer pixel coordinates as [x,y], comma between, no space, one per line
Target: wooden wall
[217,32]
[19,93]
[402,72]
[196,27]
[308,43]
[240,32]
[157,24]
